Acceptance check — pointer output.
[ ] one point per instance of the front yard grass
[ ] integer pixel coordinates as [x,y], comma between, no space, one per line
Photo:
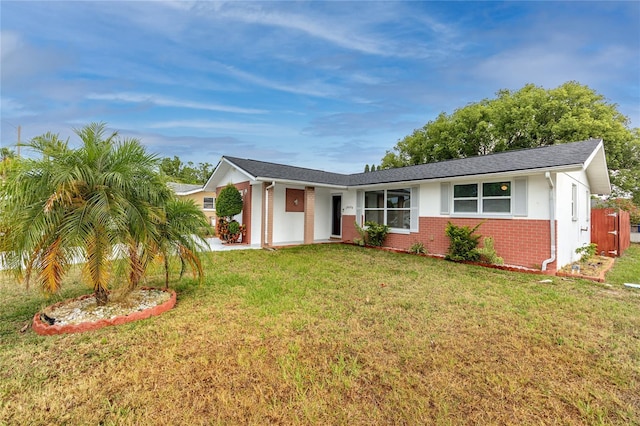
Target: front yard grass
[337,334]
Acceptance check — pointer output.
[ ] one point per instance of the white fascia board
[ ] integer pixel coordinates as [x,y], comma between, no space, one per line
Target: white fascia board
[223,167]
[597,171]
[193,191]
[300,183]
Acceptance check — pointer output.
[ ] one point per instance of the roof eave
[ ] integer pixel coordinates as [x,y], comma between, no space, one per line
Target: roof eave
[300,182]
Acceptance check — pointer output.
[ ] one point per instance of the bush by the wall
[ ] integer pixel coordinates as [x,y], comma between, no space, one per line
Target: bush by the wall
[463,244]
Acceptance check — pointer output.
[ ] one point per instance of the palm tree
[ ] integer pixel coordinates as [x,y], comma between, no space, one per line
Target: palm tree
[82,203]
[183,234]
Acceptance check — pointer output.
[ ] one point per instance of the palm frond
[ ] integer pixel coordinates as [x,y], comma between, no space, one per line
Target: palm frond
[53,266]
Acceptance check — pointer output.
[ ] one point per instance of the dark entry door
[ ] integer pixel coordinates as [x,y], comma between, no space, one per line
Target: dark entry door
[336,215]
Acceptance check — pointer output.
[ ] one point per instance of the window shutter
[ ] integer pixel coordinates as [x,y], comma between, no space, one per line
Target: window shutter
[520,197]
[415,209]
[445,189]
[359,207]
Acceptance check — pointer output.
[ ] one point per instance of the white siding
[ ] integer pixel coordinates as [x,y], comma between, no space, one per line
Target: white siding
[572,234]
[322,220]
[256,214]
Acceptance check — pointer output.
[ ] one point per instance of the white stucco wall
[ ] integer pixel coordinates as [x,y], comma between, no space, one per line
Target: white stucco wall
[572,234]
[256,214]
[322,219]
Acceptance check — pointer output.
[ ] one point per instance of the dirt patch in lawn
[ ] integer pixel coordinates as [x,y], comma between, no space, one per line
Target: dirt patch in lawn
[593,268]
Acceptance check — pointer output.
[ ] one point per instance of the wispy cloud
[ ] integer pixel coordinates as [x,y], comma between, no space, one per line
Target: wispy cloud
[230,127]
[168,102]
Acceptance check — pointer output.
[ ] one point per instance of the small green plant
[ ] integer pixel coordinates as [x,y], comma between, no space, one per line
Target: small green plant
[463,244]
[488,252]
[360,241]
[417,248]
[376,233]
[373,234]
[234,227]
[587,251]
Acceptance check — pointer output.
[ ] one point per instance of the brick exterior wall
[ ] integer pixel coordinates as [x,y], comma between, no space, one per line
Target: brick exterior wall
[523,243]
[348,228]
[309,214]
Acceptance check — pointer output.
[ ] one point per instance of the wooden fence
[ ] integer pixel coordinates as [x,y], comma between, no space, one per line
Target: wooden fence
[610,231]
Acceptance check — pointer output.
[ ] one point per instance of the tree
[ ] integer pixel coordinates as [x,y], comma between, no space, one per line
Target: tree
[228,204]
[177,171]
[366,168]
[102,198]
[527,118]
[182,233]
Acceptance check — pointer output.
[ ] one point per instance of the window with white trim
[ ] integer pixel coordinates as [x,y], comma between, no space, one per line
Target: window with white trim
[391,207]
[574,202]
[209,203]
[486,197]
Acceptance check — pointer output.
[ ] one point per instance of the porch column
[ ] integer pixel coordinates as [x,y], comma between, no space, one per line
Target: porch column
[267,215]
[309,213]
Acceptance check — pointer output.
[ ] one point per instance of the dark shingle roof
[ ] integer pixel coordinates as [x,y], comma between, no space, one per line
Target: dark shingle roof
[279,171]
[560,155]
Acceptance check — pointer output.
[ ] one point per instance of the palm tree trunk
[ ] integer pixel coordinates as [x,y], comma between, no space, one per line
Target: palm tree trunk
[166,272]
[102,295]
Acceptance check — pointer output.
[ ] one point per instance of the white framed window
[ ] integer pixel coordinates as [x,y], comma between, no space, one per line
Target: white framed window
[209,203]
[395,208]
[486,198]
[587,205]
[574,202]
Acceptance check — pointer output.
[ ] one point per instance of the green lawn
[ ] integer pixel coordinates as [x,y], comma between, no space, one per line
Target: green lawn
[337,334]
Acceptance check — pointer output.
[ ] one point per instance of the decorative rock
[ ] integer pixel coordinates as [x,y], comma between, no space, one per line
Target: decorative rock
[78,315]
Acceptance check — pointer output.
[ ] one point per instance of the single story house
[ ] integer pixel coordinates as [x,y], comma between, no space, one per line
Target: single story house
[535,203]
[206,200]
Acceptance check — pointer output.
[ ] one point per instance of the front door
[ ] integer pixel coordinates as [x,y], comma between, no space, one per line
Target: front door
[336,215]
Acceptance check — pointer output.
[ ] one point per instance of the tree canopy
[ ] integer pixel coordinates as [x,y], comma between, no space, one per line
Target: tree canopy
[229,202]
[88,203]
[528,118]
[177,171]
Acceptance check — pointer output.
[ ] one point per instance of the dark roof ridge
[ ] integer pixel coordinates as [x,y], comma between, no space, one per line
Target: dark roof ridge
[491,154]
[282,165]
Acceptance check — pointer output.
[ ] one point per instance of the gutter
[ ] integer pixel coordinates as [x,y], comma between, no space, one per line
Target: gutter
[552,222]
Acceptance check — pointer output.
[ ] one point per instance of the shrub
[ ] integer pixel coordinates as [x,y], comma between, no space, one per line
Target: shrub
[362,240]
[587,251]
[376,233]
[488,253]
[234,227]
[417,248]
[463,242]
[228,202]
[373,234]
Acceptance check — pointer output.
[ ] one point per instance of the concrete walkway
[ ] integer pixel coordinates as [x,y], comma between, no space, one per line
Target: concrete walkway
[216,245]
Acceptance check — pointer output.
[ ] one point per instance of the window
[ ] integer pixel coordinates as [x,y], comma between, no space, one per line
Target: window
[209,203]
[574,201]
[488,197]
[391,207]
[496,197]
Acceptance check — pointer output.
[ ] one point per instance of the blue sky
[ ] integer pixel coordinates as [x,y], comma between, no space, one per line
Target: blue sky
[328,85]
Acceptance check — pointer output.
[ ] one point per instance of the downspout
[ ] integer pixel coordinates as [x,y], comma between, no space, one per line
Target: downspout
[552,221]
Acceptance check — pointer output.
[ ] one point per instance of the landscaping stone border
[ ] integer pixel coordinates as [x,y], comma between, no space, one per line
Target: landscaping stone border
[45,329]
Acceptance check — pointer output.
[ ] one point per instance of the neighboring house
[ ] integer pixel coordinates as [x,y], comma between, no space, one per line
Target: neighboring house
[206,200]
[534,202]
